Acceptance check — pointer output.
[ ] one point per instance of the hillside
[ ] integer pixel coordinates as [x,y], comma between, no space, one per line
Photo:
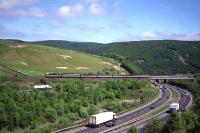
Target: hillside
[144,57]
[37,60]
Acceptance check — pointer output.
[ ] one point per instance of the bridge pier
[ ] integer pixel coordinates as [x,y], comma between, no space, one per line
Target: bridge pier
[160,81]
[157,80]
[165,81]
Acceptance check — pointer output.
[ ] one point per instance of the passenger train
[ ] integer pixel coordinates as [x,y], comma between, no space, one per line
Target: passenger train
[76,75]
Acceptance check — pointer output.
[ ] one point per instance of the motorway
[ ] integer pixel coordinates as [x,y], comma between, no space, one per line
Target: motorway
[166,94]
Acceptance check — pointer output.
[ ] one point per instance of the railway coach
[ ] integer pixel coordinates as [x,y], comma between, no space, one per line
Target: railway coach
[53,75]
[71,75]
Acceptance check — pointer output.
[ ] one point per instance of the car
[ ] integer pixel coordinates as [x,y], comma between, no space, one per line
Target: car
[161,86]
[186,94]
[152,107]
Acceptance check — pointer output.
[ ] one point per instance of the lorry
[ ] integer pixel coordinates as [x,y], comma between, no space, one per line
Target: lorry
[174,107]
[101,119]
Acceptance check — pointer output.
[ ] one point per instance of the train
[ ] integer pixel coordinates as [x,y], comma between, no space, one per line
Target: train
[78,75]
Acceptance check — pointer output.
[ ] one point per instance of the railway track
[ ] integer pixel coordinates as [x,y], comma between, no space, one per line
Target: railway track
[79,124]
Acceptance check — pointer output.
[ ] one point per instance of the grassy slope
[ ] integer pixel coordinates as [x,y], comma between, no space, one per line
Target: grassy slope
[158,57]
[37,60]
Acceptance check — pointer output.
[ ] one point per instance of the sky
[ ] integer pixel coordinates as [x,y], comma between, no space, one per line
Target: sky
[102,21]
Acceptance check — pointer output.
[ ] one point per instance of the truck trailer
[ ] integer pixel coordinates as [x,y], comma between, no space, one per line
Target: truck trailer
[174,107]
[100,119]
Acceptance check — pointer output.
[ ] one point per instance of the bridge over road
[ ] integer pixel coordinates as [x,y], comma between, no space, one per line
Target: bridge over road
[172,77]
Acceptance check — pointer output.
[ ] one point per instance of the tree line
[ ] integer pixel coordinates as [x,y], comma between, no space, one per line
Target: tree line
[67,102]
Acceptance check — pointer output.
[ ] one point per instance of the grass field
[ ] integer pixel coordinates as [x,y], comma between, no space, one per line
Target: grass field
[37,60]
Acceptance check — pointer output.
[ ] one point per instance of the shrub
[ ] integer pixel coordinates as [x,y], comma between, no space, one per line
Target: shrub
[51,114]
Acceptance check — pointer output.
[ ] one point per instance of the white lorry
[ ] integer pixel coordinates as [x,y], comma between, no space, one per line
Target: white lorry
[100,119]
[174,107]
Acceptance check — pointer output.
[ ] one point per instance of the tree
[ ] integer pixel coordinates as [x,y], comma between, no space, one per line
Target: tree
[64,122]
[197,105]
[59,108]
[58,87]
[83,112]
[24,118]
[72,116]
[110,95]
[75,106]
[190,119]
[12,114]
[66,108]
[175,122]
[33,124]
[85,103]
[46,129]
[43,81]
[92,109]
[133,130]
[50,114]
[3,117]
[154,126]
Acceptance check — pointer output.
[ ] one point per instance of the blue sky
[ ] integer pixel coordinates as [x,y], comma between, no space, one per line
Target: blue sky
[102,21]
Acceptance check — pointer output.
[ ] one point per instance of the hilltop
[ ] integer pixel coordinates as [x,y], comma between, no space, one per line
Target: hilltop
[144,57]
[28,59]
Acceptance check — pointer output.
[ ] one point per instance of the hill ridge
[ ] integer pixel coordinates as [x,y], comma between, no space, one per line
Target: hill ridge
[157,56]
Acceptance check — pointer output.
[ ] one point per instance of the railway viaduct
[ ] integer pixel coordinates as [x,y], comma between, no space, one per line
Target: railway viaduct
[158,78]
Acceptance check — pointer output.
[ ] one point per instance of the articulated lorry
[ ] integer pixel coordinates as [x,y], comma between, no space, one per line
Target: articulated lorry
[101,119]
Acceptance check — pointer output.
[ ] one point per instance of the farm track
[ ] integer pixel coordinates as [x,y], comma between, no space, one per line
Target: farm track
[12,70]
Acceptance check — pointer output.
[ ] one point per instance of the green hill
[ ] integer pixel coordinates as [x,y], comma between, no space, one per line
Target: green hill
[144,57]
[37,60]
